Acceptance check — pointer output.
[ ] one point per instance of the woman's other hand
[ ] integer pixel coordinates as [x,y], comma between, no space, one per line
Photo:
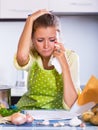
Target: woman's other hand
[59,50]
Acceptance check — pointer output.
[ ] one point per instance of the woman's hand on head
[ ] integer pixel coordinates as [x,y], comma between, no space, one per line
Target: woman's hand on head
[38,13]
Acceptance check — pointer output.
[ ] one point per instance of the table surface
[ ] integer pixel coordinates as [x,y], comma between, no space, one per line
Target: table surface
[37,124]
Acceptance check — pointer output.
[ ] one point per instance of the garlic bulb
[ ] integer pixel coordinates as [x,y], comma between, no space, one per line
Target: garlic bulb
[29,118]
[18,118]
[75,121]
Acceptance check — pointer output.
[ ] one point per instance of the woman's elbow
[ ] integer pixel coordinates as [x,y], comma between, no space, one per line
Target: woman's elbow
[22,59]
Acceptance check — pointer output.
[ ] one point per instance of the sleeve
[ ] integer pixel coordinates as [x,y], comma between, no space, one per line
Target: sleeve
[65,106]
[27,66]
[74,69]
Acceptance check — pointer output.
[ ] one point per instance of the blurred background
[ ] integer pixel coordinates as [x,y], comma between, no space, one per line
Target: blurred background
[79,24]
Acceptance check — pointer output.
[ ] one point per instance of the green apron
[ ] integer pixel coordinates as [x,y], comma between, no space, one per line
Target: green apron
[45,89]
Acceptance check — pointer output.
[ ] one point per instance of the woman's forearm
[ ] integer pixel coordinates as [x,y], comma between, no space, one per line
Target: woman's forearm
[70,94]
[25,40]
[25,43]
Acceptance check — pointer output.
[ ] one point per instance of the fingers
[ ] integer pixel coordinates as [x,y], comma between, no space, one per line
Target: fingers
[58,51]
[38,13]
[41,12]
[59,46]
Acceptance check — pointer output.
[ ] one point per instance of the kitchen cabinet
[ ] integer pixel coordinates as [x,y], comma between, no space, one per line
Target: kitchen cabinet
[19,9]
[11,9]
[15,99]
[16,93]
[74,6]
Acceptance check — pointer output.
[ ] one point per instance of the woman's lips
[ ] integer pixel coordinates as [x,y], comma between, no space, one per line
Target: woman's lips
[46,51]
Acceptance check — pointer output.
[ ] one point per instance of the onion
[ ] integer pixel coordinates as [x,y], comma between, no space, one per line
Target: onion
[29,118]
[18,118]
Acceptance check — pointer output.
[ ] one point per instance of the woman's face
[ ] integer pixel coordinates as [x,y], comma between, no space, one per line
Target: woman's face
[44,40]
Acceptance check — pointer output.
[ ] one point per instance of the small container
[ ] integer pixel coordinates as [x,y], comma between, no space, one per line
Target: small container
[5,96]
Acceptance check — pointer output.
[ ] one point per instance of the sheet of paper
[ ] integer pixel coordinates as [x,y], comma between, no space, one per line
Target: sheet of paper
[51,114]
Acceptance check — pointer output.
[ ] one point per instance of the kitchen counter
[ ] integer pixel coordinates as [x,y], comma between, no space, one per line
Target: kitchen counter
[18,91]
[37,124]
[34,126]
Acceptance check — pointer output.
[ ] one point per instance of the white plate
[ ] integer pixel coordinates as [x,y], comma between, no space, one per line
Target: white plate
[51,114]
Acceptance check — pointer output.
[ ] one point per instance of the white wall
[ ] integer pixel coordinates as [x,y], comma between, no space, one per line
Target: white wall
[79,33]
[9,35]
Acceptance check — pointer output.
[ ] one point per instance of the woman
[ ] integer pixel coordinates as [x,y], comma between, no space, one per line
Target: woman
[47,89]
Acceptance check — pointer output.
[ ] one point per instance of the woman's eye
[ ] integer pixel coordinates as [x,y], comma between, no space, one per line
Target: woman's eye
[43,40]
[40,40]
[52,40]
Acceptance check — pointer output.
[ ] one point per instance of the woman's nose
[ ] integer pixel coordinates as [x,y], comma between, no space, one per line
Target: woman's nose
[46,44]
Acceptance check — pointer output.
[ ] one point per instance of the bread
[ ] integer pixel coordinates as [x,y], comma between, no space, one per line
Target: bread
[91,116]
[94,120]
[86,116]
[95,109]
